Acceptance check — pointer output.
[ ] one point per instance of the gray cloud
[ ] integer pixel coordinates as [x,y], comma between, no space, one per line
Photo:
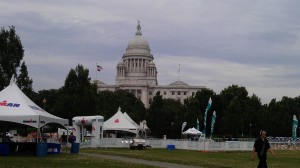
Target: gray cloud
[218,43]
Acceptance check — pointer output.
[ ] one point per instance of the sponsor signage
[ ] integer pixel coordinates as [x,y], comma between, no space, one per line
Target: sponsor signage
[9,104]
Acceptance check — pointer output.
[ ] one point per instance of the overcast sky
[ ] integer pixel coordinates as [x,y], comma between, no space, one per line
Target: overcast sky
[250,43]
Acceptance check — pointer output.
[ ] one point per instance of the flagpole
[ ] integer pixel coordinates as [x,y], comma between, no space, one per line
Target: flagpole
[96,73]
[178,72]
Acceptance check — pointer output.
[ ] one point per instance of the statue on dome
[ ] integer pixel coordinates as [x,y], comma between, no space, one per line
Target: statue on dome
[138,26]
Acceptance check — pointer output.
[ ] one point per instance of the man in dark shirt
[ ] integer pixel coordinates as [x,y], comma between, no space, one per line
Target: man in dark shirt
[63,141]
[261,146]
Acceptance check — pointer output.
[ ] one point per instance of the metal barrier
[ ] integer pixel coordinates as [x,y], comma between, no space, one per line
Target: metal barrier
[208,145]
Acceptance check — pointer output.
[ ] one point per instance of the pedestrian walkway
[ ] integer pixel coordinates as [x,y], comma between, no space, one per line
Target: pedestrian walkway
[139,161]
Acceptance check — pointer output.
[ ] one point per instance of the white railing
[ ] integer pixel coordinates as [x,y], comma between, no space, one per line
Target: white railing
[179,144]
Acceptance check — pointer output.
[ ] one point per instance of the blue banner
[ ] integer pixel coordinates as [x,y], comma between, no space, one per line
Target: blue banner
[213,120]
[205,114]
[295,126]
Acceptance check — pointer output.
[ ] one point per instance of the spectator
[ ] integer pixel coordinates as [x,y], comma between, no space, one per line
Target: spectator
[72,138]
[63,140]
[261,146]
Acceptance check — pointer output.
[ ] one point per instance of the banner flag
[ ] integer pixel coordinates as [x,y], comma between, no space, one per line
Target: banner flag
[213,120]
[205,114]
[183,125]
[295,126]
[197,126]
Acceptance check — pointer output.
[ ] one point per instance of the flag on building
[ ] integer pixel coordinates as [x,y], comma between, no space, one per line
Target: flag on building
[99,68]
[205,114]
[295,126]
[213,120]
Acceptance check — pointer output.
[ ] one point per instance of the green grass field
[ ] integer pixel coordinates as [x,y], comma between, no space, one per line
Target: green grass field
[284,159]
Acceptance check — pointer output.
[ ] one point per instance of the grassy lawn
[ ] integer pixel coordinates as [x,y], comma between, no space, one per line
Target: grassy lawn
[64,160]
[284,159]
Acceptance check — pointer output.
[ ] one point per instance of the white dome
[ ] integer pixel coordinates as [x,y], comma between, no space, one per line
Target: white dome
[138,44]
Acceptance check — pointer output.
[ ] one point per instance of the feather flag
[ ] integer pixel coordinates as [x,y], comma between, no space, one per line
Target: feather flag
[295,126]
[213,120]
[183,125]
[197,126]
[205,114]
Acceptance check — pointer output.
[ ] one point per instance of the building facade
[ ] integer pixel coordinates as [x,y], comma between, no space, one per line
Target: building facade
[137,74]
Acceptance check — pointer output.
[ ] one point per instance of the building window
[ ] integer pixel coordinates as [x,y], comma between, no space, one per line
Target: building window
[165,92]
[139,91]
[179,93]
[173,93]
[150,93]
[184,93]
[193,93]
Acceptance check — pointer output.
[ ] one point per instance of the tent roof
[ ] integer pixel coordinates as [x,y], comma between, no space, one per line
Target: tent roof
[119,122]
[192,131]
[130,120]
[16,107]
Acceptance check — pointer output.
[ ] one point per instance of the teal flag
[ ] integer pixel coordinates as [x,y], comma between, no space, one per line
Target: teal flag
[205,114]
[295,126]
[213,120]
[197,126]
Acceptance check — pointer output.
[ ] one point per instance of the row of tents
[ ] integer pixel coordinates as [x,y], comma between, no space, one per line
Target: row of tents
[16,107]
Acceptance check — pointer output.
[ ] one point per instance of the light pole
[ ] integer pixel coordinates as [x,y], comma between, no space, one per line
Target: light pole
[243,131]
[44,103]
[171,129]
[250,129]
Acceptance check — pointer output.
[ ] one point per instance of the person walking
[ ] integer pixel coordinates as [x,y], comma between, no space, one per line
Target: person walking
[261,146]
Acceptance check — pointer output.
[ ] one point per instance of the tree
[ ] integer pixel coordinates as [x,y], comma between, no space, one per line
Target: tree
[24,82]
[130,104]
[47,99]
[174,117]
[108,103]
[11,53]
[155,116]
[234,102]
[78,96]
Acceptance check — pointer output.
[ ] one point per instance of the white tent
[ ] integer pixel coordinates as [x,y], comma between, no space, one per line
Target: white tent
[16,107]
[119,122]
[130,120]
[192,131]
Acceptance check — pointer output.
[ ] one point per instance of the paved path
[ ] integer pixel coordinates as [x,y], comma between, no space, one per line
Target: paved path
[140,161]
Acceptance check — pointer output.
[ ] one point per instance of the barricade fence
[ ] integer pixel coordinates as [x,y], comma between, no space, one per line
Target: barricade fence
[179,144]
[208,145]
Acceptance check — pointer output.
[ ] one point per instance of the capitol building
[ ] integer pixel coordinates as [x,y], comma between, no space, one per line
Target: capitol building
[137,74]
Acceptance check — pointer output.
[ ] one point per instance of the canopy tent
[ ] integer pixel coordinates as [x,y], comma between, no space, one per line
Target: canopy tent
[130,120]
[119,122]
[16,107]
[192,131]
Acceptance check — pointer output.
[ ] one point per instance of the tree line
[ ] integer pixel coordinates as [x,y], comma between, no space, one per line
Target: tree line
[238,113]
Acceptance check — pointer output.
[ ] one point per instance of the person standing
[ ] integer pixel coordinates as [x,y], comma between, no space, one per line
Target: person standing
[261,146]
[71,138]
[63,141]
